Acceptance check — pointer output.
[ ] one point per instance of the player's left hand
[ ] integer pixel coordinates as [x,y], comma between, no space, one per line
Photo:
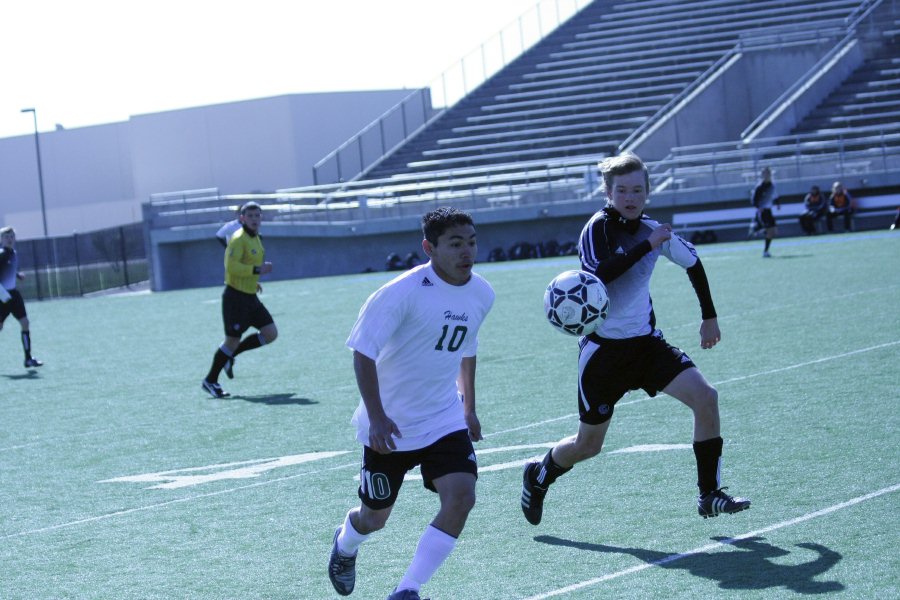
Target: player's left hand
[20,276]
[709,333]
[258,289]
[474,426]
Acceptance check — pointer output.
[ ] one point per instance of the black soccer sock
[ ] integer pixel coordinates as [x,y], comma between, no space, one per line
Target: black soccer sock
[26,344]
[768,243]
[218,363]
[708,454]
[251,342]
[548,471]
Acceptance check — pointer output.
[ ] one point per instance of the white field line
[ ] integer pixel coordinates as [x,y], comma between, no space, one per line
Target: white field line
[119,513]
[356,463]
[711,547]
[722,382]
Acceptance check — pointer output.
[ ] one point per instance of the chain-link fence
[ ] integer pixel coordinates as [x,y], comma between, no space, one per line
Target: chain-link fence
[82,263]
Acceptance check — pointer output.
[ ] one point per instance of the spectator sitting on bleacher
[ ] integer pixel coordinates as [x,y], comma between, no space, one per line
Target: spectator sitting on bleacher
[840,204]
[816,207]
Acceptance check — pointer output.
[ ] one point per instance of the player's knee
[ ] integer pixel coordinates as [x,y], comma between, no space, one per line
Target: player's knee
[371,521]
[706,401]
[461,502]
[269,334]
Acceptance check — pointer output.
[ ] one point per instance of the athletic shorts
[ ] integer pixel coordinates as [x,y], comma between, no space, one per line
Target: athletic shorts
[382,474]
[242,311]
[766,218]
[608,369]
[15,306]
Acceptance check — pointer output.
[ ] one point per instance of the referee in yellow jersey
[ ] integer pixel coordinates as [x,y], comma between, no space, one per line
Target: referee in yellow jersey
[241,308]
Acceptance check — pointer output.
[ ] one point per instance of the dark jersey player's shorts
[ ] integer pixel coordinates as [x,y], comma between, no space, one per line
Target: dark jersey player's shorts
[608,369]
[766,219]
[15,306]
[382,474]
[242,311]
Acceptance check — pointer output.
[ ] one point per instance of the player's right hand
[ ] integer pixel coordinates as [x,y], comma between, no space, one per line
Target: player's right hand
[661,234]
[381,435]
[264,268]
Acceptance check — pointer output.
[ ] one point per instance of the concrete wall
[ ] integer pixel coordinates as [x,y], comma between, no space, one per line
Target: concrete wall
[96,177]
[731,99]
[190,258]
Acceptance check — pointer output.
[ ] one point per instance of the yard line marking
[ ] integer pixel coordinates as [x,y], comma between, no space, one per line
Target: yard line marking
[709,547]
[810,362]
[171,502]
[779,307]
[724,381]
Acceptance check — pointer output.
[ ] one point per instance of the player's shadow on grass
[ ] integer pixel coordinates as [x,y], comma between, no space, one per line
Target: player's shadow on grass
[31,374]
[276,399]
[750,568]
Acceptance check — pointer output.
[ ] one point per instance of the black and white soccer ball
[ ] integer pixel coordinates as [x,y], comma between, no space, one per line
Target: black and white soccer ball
[576,302]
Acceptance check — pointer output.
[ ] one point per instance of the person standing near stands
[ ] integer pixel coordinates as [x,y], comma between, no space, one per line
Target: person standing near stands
[840,204]
[763,196]
[241,307]
[11,301]
[621,246]
[228,229]
[414,346]
[815,208]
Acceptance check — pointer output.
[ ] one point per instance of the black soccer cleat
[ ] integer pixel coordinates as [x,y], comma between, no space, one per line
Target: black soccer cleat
[405,595]
[229,368]
[532,495]
[215,390]
[341,569]
[716,502]
[33,362]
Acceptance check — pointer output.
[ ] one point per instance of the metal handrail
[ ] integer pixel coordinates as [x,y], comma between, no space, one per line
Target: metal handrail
[449,101]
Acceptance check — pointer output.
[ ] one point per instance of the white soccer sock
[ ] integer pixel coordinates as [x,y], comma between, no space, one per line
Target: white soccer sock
[433,549]
[349,540]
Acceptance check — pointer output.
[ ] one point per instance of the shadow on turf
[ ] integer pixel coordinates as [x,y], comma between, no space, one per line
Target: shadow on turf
[790,256]
[275,399]
[750,569]
[31,374]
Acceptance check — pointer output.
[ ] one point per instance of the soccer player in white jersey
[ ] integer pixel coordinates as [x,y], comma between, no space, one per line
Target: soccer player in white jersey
[414,346]
[621,246]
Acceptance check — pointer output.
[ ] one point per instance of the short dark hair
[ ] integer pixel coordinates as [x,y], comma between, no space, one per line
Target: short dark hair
[623,164]
[250,206]
[439,220]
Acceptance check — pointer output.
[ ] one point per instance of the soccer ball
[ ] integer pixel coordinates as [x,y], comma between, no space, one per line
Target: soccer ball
[576,302]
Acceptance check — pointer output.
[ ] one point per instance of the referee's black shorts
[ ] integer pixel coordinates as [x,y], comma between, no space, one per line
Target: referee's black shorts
[242,311]
[608,369]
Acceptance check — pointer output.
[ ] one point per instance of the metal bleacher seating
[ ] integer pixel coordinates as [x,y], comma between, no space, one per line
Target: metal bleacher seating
[583,89]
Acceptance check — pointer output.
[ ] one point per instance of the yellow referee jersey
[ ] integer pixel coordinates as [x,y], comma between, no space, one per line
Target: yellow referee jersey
[244,253]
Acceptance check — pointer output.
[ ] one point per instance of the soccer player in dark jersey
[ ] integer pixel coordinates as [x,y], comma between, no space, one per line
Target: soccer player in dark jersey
[241,307]
[763,197]
[11,301]
[621,246]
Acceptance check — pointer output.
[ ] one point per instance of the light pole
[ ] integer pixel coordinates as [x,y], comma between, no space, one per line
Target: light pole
[37,147]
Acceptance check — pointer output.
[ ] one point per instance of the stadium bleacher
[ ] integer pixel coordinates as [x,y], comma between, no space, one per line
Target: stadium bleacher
[632,57]
[521,149]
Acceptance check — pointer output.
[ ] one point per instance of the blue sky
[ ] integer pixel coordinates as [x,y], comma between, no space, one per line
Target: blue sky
[87,62]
